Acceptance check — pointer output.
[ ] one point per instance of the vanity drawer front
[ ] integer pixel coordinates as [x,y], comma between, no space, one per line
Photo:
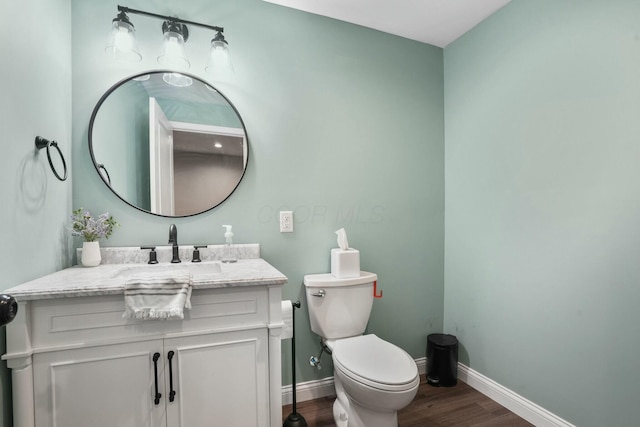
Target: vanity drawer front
[83,320]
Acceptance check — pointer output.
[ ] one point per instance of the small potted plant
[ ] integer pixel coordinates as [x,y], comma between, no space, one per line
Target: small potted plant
[91,229]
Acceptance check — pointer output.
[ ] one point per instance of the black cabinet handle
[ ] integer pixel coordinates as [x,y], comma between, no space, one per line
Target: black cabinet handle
[156,356]
[172,392]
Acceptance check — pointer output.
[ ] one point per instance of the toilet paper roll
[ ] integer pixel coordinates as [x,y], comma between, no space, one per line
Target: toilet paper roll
[287,319]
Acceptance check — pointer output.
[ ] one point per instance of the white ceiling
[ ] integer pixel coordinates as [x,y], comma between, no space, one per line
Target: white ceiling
[436,22]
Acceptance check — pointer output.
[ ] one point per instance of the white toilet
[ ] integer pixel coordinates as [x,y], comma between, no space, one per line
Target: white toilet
[373,378]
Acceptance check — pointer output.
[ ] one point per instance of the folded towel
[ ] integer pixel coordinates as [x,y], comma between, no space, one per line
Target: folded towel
[157,295]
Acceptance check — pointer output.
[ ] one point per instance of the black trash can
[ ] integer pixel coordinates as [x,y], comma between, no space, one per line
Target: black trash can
[442,360]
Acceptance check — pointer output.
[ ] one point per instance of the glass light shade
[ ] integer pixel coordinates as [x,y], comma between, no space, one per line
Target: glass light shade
[177,79]
[219,63]
[122,43]
[174,54]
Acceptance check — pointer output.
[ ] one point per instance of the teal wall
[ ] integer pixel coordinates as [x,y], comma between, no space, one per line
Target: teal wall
[346,128]
[543,204]
[35,99]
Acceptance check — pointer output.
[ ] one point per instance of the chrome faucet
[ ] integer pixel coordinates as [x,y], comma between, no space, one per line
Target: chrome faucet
[173,239]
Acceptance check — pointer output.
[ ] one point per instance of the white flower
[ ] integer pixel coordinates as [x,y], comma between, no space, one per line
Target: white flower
[92,229]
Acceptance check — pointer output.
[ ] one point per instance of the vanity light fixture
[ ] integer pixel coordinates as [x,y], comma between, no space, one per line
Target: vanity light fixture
[219,58]
[174,54]
[122,43]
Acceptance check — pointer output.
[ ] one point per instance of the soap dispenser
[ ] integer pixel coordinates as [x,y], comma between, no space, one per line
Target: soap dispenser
[228,255]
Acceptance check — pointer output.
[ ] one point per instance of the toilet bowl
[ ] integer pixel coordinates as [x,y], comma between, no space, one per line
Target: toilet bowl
[377,379]
[373,378]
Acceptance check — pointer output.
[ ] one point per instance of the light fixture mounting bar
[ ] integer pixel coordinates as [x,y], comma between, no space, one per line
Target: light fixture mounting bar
[168,18]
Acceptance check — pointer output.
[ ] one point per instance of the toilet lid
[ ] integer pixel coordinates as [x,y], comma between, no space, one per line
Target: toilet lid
[373,359]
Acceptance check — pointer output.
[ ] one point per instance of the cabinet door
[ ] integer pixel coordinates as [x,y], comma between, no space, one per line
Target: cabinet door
[99,386]
[220,380]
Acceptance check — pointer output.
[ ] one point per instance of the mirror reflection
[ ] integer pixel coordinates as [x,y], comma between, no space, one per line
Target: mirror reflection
[168,144]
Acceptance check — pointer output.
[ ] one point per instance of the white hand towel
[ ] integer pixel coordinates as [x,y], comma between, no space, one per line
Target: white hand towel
[157,295]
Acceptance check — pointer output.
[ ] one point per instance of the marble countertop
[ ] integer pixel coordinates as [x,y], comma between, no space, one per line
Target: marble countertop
[136,255]
[109,279]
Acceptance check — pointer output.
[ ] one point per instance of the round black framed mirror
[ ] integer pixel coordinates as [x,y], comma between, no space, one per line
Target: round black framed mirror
[168,143]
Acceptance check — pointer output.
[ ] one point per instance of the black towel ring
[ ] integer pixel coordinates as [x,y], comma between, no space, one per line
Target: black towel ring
[45,143]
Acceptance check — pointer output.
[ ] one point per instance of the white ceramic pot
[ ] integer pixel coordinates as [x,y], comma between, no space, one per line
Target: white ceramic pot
[91,254]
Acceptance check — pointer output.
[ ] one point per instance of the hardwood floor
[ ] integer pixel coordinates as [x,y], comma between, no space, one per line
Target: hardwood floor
[460,405]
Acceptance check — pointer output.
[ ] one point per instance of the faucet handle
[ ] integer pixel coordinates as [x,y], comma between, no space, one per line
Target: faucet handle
[153,256]
[196,253]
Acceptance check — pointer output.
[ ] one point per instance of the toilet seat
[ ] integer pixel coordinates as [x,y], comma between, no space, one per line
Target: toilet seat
[376,363]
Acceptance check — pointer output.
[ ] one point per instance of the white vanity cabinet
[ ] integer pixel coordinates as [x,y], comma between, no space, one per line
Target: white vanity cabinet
[220,382]
[98,386]
[217,380]
[76,362]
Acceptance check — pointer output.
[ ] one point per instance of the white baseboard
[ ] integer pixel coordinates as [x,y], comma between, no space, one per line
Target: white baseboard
[517,404]
[511,400]
[308,390]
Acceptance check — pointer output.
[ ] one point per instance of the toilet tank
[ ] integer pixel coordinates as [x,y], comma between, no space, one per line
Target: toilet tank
[339,308]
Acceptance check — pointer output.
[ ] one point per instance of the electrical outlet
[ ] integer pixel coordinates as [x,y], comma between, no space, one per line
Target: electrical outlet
[286,221]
